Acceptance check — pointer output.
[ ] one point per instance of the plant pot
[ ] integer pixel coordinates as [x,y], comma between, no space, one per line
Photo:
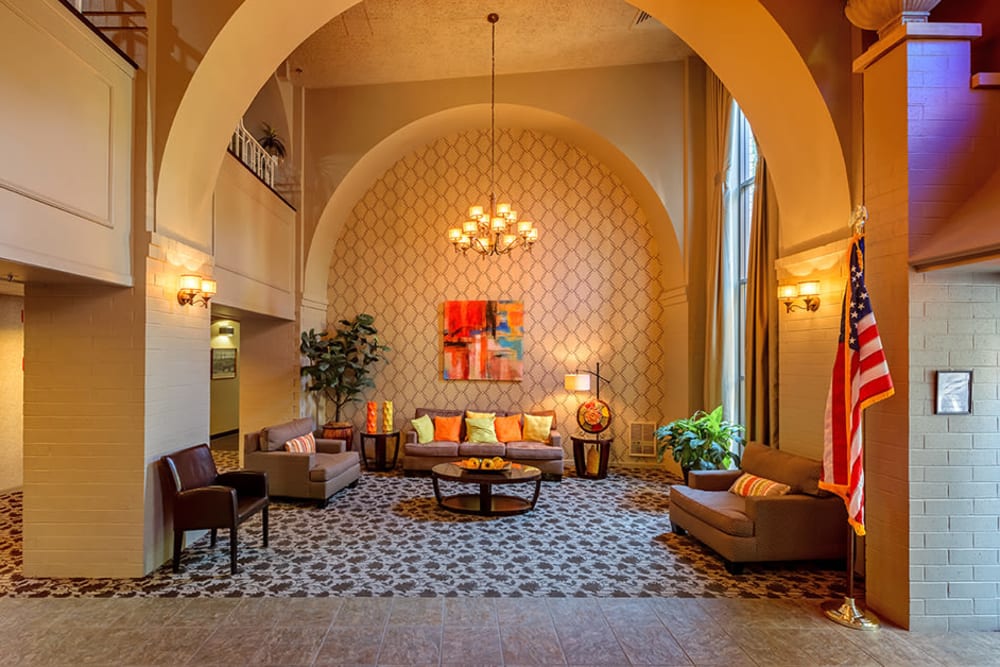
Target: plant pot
[340,431]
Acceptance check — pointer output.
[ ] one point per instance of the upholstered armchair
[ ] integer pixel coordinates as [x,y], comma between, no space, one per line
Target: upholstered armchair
[204,499]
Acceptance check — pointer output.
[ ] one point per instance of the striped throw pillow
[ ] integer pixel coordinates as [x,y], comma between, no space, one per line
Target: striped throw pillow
[304,444]
[752,485]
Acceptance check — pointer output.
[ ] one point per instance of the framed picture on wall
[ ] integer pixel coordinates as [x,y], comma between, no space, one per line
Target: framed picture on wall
[954,393]
[223,363]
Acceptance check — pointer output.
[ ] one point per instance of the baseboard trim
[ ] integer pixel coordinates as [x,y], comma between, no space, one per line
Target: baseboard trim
[223,434]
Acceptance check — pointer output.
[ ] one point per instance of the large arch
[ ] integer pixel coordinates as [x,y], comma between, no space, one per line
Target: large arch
[738,39]
[380,158]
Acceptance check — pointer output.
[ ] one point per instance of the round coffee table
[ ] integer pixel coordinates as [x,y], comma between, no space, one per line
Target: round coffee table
[485,503]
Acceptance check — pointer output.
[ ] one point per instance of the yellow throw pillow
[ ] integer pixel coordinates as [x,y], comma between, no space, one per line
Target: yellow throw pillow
[536,428]
[304,444]
[480,430]
[471,414]
[424,428]
[508,428]
[752,485]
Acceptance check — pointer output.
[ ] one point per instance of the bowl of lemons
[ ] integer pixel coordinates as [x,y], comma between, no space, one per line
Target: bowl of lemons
[494,464]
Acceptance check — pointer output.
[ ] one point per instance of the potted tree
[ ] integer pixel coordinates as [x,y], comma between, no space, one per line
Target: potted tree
[340,366]
[270,141]
[703,441]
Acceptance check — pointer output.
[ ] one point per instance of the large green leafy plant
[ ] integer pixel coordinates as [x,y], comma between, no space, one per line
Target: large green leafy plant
[340,366]
[703,441]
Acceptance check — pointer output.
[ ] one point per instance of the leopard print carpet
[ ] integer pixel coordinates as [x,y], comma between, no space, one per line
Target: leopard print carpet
[388,537]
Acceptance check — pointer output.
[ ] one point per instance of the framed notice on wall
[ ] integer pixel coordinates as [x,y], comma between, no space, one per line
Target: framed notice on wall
[954,393]
[223,363]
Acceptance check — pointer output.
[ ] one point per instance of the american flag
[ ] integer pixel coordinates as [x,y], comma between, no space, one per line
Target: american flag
[860,379]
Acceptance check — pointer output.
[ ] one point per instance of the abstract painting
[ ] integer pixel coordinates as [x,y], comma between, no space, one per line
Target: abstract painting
[483,340]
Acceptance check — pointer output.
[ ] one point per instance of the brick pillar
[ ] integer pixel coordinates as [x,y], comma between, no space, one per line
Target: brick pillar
[921,137]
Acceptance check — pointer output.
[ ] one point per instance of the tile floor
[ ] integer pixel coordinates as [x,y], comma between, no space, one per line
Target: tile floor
[459,631]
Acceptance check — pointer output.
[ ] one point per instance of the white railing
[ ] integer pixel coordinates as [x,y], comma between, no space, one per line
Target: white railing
[249,151]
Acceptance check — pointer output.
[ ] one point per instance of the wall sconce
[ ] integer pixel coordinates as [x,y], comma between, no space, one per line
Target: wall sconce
[808,290]
[226,330]
[195,289]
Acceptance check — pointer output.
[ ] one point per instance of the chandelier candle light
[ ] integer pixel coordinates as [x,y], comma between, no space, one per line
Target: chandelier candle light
[493,229]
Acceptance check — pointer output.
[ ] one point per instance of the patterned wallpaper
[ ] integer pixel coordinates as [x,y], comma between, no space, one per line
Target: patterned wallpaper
[590,286]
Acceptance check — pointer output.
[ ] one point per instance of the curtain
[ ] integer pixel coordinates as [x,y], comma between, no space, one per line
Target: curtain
[761,352]
[719,344]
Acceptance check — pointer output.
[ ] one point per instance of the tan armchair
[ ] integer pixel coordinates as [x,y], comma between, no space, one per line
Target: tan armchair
[204,499]
[317,476]
[805,524]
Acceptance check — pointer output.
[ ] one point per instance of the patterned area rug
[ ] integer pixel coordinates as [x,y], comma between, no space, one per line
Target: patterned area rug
[388,537]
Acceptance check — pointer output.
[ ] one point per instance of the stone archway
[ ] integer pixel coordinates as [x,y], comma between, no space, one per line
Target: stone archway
[774,87]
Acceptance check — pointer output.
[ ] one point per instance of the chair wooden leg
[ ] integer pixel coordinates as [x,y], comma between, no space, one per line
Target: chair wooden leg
[263,520]
[178,538]
[232,549]
[215,532]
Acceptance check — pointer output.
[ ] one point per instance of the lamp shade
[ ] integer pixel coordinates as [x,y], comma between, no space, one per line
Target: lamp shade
[208,287]
[788,291]
[577,382]
[190,281]
[809,288]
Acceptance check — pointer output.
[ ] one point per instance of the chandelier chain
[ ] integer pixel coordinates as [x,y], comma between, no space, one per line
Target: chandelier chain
[493,107]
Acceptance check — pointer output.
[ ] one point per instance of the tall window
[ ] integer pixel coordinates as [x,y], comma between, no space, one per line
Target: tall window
[739,215]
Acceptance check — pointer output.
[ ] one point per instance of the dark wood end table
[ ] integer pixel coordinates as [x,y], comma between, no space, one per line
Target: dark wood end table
[603,446]
[486,503]
[380,442]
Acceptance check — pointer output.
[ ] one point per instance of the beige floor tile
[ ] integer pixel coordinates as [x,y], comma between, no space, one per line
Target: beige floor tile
[794,647]
[589,640]
[369,612]
[350,645]
[523,611]
[477,612]
[411,645]
[650,645]
[416,611]
[471,645]
[530,645]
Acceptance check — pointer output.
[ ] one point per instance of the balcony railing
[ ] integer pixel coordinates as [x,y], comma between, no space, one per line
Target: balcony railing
[252,154]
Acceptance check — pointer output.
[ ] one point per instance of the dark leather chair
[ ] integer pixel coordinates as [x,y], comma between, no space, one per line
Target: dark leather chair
[204,499]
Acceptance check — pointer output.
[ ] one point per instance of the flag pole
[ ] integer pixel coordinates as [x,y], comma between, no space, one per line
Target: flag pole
[847,613]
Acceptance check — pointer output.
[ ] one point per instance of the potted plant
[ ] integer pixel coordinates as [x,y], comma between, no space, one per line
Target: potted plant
[271,142]
[703,441]
[340,366]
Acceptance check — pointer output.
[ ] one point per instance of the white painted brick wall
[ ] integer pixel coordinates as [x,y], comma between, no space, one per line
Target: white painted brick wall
[955,470]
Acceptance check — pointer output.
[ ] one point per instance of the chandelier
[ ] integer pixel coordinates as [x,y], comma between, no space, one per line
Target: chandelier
[494,229]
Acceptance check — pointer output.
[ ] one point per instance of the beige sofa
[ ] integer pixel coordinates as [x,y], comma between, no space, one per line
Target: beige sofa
[548,457]
[805,524]
[318,475]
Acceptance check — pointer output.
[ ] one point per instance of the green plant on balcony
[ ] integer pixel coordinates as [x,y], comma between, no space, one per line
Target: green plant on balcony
[270,141]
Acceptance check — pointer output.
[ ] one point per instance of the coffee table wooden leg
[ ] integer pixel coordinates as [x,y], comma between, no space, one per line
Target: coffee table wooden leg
[538,489]
[437,489]
[486,499]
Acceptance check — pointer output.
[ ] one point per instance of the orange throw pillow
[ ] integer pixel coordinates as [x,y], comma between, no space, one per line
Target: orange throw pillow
[447,428]
[508,428]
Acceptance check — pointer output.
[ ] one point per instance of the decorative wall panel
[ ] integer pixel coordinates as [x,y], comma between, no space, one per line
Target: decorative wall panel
[590,286]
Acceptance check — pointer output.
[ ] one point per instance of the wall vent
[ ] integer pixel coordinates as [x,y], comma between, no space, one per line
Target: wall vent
[641,442]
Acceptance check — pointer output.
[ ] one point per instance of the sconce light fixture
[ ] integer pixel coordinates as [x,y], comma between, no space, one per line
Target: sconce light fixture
[226,330]
[593,416]
[808,290]
[195,289]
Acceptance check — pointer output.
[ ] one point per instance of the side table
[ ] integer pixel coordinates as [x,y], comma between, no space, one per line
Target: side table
[603,446]
[380,443]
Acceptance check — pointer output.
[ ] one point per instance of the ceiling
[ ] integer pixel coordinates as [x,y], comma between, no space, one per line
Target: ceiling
[391,41]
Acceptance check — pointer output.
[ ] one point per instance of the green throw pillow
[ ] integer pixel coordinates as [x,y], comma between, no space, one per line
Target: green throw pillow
[424,428]
[480,430]
[536,428]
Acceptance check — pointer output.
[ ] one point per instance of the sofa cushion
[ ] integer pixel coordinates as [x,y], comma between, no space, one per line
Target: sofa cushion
[273,438]
[304,444]
[537,428]
[434,412]
[798,472]
[544,413]
[424,428]
[533,451]
[752,485]
[480,430]
[432,448]
[719,509]
[508,429]
[328,466]
[482,449]
[472,414]
[448,428]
